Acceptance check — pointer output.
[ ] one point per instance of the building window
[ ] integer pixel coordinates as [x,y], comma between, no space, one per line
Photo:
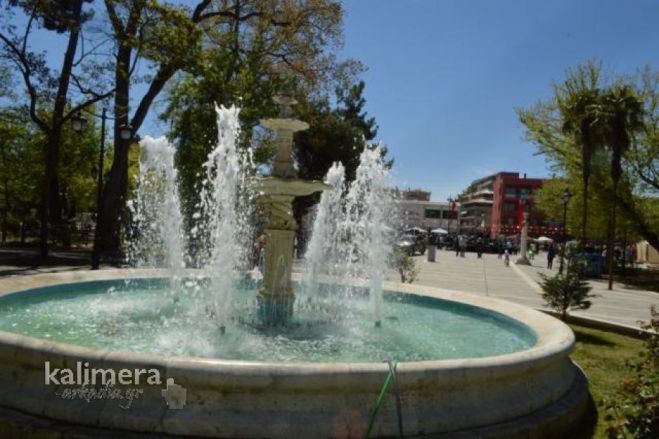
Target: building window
[509,207]
[449,214]
[433,213]
[511,191]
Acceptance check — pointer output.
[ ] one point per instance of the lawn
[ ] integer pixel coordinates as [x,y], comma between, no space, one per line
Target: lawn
[602,357]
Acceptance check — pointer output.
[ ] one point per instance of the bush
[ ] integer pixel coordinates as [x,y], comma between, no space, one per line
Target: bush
[635,414]
[402,262]
[564,292]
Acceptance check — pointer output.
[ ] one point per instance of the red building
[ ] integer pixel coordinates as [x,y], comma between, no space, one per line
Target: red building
[511,194]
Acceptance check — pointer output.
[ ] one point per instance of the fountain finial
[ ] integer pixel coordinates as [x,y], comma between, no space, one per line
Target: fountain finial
[285,103]
[285,126]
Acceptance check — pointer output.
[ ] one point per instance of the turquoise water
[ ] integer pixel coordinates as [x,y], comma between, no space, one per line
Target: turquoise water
[156,317]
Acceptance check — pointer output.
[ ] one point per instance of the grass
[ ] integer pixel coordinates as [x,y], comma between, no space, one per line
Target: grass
[602,356]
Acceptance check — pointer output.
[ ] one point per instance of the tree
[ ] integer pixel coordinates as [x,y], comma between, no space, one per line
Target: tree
[174,38]
[20,186]
[621,112]
[576,99]
[334,135]
[42,87]
[564,292]
[635,195]
[548,199]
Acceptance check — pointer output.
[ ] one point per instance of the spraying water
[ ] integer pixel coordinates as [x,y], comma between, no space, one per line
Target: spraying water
[350,239]
[369,208]
[159,240]
[351,234]
[321,256]
[222,216]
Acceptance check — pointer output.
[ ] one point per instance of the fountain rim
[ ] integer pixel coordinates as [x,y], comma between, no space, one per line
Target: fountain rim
[553,337]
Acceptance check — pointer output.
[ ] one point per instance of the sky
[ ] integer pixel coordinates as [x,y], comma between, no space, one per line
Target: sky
[444,77]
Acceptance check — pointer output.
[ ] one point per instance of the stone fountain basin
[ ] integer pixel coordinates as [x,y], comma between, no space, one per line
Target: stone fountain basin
[538,391]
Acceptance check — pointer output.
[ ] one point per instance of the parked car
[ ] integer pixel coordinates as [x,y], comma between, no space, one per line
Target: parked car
[411,244]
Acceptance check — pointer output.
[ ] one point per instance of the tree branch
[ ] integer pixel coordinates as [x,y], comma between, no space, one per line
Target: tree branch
[87,103]
[23,64]
[117,24]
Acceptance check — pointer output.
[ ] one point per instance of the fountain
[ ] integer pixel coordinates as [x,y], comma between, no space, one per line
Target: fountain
[276,296]
[288,354]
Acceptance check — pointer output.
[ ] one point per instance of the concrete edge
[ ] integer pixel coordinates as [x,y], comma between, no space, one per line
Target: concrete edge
[553,337]
[558,420]
[603,325]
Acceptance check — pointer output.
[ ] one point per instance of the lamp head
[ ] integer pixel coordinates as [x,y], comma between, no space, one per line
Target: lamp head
[78,123]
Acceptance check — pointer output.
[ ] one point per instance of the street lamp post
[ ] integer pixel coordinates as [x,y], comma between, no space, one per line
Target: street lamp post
[450,211]
[523,259]
[566,200]
[79,124]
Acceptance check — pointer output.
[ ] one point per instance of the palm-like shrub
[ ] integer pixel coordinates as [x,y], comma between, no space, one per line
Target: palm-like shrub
[564,292]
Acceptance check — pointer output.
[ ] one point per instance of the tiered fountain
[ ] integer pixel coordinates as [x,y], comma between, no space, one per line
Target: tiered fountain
[276,365]
[276,295]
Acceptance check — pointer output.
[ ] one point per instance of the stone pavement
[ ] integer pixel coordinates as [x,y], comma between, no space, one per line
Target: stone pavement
[25,261]
[487,276]
[490,277]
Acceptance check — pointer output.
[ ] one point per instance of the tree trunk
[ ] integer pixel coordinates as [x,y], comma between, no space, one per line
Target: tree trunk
[114,195]
[584,212]
[5,184]
[50,202]
[610,253]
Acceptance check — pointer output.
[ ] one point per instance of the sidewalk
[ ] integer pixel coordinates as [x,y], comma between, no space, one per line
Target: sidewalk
[487,276]
[24,261]
[518,283]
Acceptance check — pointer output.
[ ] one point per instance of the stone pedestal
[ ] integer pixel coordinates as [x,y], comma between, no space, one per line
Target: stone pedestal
[276,297]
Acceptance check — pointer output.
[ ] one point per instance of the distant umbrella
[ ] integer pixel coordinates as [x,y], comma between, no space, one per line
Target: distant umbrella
[544,239]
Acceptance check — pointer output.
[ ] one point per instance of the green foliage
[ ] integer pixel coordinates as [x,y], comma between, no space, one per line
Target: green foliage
[21,168]
[635,414]
[337,134]
[404,264]
[549,200]
[250,48]
[596,133]
[564,292]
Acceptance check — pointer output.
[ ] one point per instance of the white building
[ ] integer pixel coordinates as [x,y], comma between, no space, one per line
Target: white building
[427,214]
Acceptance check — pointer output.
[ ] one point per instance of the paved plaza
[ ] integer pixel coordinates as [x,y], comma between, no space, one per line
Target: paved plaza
[490,277]
[487,276]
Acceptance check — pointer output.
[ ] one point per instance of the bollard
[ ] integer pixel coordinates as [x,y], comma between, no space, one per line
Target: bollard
[430,254]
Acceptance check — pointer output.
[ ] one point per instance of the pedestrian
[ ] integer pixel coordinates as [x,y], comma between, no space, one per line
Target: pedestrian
[457,246]
[551,254]
[463,245]
[506,258]
[479,248]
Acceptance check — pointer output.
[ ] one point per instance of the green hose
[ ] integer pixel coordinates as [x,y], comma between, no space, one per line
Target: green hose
[380,399]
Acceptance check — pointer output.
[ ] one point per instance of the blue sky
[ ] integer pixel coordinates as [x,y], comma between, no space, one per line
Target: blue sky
[444,76]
